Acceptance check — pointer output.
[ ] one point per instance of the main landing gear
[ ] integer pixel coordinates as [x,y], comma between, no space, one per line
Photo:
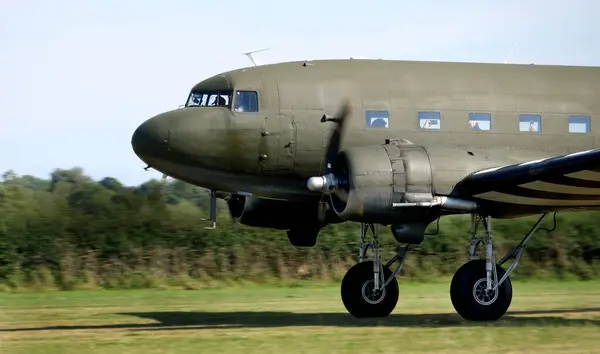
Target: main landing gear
[370,288]
[480,290]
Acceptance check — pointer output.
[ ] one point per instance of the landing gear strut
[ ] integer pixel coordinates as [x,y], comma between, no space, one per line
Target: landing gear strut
[370,288]
[481,290]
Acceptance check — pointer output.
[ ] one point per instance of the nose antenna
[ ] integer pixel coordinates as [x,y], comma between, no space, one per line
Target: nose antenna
[249,54]
[213,210]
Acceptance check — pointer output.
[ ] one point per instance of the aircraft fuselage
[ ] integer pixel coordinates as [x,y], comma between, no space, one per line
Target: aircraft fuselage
[272,150]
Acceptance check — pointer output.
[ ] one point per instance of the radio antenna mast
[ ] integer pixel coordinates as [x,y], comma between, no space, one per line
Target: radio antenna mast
[249,54]
[511,52]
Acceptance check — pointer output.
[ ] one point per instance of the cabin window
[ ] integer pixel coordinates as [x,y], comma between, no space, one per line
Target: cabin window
[530,123]
[480,121]
[377,119]
[245,101]
[429,120]
[212,98]
[579,124]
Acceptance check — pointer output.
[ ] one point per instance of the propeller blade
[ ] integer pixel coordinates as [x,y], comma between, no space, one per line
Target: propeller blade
[231,211]
[234,205]
[329,181]
[335,138]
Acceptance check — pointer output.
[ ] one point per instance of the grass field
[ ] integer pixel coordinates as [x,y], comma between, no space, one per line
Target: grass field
[544,318]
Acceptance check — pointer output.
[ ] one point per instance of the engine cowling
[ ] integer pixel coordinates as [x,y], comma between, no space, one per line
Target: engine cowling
[383,184]
[280,214]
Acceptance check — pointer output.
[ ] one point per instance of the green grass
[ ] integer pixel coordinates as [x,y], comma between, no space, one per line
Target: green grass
[556,317]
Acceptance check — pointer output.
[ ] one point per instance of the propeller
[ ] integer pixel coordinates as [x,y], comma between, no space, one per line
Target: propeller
[234,204]
[328,182]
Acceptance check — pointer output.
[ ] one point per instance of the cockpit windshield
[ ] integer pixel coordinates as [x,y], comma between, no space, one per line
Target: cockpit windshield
[209,99]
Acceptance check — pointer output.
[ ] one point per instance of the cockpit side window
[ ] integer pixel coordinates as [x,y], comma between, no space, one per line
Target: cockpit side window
[209,99]
[245,101]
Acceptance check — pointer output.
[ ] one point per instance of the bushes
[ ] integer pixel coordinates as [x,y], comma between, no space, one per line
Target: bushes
[71,232]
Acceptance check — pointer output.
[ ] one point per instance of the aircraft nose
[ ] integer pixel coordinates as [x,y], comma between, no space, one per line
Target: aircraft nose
[151,138]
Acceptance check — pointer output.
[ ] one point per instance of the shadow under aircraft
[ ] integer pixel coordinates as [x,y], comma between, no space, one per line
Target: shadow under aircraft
[207,320]
[299,145]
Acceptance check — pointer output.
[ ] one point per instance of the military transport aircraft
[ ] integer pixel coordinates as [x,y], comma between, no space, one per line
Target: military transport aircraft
[298,145]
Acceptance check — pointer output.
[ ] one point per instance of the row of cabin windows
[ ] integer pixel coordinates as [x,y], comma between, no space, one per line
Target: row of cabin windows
[247,101]
[483,121]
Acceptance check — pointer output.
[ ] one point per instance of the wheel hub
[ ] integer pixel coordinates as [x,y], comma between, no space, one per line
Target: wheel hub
[482,295]
[371,295]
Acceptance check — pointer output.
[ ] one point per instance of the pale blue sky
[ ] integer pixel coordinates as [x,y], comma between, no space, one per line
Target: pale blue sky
[77,77]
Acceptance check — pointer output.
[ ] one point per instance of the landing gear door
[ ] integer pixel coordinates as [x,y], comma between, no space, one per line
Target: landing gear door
[278,143]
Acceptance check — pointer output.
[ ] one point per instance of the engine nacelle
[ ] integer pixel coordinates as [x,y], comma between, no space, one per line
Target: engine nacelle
[280,214]
[384,184]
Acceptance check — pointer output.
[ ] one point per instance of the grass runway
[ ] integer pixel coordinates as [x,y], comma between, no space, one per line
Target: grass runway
[544,318]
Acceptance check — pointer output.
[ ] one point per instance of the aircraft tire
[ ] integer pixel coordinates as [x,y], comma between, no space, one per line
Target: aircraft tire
[467,293]
[357,281]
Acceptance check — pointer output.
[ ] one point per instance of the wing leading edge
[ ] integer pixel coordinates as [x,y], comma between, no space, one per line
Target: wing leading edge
[554,183]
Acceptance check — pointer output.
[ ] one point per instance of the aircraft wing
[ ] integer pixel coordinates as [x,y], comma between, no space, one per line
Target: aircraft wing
[561,182]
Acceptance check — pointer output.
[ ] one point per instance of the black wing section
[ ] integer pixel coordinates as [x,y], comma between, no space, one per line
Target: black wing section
[550,184]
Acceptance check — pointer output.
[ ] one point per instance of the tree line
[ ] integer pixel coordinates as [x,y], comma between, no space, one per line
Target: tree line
[71,232]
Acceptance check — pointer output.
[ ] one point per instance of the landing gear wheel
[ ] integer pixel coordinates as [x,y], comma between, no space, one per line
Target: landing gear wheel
[358,296]
[472,300]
